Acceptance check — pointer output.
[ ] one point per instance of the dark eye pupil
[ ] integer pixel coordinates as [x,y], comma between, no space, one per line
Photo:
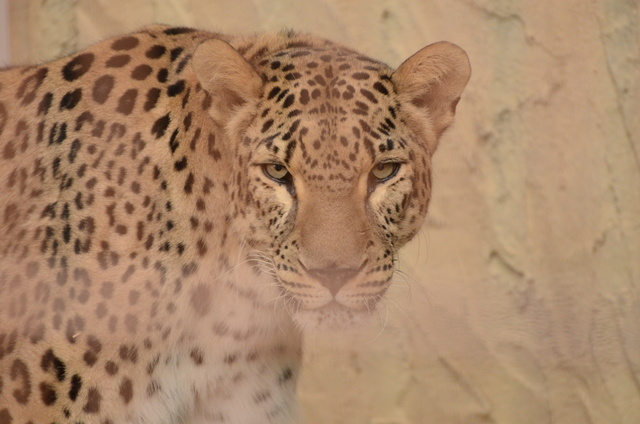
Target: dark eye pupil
[278,167]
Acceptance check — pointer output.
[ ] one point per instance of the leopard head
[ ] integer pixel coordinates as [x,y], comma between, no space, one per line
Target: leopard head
[332,168]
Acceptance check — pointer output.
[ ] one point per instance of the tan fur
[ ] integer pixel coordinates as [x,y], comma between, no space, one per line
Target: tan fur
[151,269]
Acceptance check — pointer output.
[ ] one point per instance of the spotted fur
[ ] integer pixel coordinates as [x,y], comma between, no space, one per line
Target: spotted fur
[178,206]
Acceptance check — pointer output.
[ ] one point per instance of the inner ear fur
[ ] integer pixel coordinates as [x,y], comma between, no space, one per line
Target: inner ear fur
[433,79]
[229,79]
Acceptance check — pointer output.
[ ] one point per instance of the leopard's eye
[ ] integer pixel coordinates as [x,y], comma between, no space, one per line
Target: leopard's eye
[385,170]
[275,171]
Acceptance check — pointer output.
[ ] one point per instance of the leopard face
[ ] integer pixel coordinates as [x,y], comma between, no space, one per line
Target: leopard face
[332,175]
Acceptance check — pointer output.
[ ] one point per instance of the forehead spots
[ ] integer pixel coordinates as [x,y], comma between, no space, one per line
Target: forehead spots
[336,89]
[274,91]
[288,101]
[320,80]
[348,93]
[360,76]
[304,96]
[387,145]
[369,95]
[267,125]
[361,108]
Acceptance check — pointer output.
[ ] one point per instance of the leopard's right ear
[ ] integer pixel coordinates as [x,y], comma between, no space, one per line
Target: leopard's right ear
[432,81]
[229,79]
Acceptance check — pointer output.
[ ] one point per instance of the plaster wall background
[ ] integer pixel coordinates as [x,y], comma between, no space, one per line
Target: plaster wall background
[4,33]
[520,301]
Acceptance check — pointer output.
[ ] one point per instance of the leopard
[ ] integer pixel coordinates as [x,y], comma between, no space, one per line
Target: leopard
[179,208]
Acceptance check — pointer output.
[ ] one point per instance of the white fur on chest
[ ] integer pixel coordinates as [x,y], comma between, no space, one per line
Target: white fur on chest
[236,364]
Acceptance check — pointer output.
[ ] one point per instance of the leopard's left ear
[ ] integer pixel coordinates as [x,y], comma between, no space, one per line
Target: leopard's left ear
[433,79]
[229,79]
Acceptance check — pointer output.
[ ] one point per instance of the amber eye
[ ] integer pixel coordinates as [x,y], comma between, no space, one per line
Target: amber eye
[385,170]
[275,171]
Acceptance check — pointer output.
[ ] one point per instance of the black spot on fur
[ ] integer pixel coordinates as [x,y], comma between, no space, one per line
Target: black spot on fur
[160,126]
[118,61]
[181,164]
[182,64]
[285,376]
[127,101]
[155,51]
[141,72]
[71,99]
[152,98]
[175,53]
[125,43]
[58,133]
[162,76]
[78,66]
[369,95]
[175,89]
[66,233]
[288,101]
[51,362]
[381,88]
[45,104]
[30,85]
[188,185]
[178,30]
[173,141]
[102,88]
[274,92]
[76,385]
[267,125]
[289,151]
[360,76]
[48,394]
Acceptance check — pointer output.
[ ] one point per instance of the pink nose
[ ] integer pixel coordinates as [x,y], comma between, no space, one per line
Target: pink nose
[333,278]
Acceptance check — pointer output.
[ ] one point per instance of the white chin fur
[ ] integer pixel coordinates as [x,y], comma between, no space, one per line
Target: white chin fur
[331,318]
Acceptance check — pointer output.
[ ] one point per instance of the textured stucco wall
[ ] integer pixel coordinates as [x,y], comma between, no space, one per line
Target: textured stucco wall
[4,33]
[520,300]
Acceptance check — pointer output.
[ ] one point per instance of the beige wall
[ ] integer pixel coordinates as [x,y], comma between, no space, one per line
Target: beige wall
[4,33]
[520,300]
